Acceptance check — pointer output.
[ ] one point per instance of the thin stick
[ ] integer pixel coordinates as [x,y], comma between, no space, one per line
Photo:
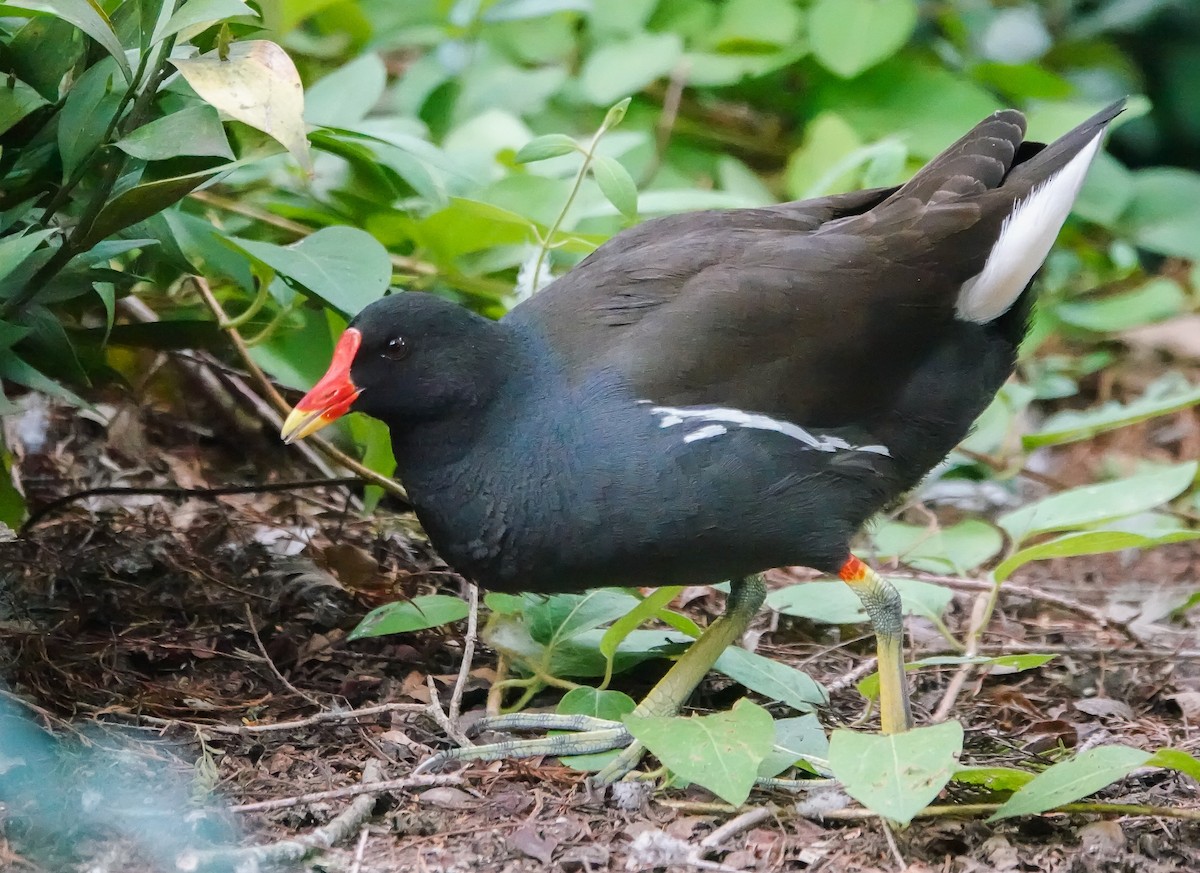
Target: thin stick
[407,784]
[284,851]
[468,657]
[435,711]
[1091,613]
[735,826]
[891,841]
[327,449]
[980,613]
[361,849]
[271,664]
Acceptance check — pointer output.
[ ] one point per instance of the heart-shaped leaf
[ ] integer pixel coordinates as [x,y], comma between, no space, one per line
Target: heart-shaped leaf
[722,752]
[850,36]
[896,775]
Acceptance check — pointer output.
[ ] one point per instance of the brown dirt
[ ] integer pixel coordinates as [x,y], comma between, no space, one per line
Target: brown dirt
[142,633]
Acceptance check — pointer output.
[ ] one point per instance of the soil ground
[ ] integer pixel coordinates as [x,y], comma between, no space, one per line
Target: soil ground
[170,662]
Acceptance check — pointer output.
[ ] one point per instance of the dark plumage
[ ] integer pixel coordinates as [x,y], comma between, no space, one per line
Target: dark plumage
[713,394]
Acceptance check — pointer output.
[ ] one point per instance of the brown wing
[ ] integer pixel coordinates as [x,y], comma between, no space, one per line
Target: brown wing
[816,311]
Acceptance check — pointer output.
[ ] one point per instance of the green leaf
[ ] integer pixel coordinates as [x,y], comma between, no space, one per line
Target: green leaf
[772,679]
[836,603]
[195,131]
[107,293]
[615,114]
[505,604]
[344,267]
[868,686]
[650,607]
[347,95]
[958,548]
[561,617]
[721,752]
[1073,780]
[755,27]
[87,116]
[16,101]
[423,611]
[12,503]
[1156,300]
[817,167]
[850,36]
[1096,504]
[617,69]
[1177,760]
[257,84]
[14,249]
[1069,427]
[142,201]
[924,104]
[196,15]
[1164,213]
[993,778]
[87,16]
[616,185]
[17,370]
[612,705]
[1091,543]
[795,739]
[896,775]
[552,145]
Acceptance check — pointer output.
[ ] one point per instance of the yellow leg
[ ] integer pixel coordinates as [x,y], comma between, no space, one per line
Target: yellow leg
[882,602]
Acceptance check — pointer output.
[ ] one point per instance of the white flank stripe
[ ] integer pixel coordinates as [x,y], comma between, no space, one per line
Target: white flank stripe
[1025,239]
[713,421]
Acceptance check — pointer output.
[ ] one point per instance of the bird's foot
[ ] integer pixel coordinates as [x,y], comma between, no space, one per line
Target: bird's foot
[586,736]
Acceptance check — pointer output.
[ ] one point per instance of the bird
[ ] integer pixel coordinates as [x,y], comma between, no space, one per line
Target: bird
[713,394]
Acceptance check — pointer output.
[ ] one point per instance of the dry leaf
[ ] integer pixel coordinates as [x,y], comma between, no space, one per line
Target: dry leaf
[256,84]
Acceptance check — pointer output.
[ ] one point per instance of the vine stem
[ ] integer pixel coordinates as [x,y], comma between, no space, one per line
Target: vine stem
[611,120]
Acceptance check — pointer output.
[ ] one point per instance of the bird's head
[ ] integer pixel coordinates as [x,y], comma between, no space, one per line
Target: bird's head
[406,358]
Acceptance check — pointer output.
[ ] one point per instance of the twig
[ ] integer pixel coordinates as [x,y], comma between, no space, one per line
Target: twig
[406,784]
[735,826]
[980,614]
[54,506]
[218,381]
[361,849]
[284,851]
[886,826]
[336,455]
[468,656]
[435,711]
[666,120]
[271,664]
[1091,613]
[851,677]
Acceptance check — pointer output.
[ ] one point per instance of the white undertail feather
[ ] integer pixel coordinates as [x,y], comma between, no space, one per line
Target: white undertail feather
[1025,239]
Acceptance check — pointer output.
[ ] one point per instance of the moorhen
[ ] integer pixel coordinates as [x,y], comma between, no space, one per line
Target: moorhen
[713,394]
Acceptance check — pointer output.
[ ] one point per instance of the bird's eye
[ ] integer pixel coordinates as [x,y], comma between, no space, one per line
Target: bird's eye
[396,349]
